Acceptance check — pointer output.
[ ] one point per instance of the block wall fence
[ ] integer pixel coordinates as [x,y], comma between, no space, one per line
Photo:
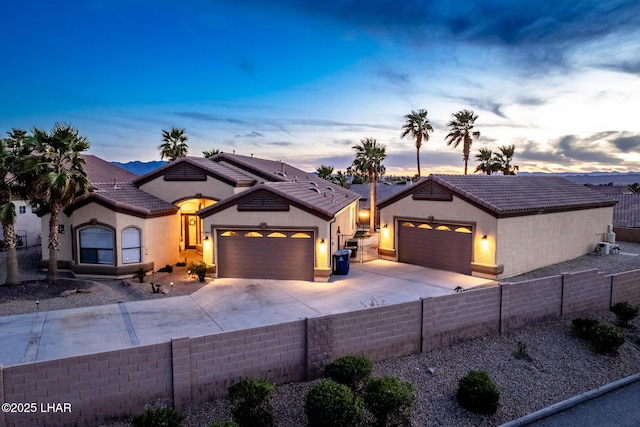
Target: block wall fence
[191,370]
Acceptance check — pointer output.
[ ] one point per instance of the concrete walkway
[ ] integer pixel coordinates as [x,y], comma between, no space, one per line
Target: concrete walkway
[222,305]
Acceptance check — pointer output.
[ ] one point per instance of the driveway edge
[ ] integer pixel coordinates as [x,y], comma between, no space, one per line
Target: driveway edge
[571,402]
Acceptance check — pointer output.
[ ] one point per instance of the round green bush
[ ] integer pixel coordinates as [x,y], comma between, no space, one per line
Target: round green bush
[478,393]
[390,400]
[606,339]
[583,326]
[330,404]
[352,371]
[251,402]
[625,313]
[158,417]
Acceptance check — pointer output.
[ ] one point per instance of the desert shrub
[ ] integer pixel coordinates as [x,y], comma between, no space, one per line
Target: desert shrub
[158,417]
[390,400]
[224,424]
[582,326]
[199,269]
[606,339]
[625,313]
[139,274]
[478,393]
[330,404]
[251,402]
[352,371]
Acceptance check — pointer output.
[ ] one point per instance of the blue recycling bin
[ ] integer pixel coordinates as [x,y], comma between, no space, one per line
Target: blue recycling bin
[341,262]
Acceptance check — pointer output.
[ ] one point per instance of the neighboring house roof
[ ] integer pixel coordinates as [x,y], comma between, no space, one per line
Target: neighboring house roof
[507,195]
[271,170]
[99,170]
[193,168]
[384,192]
[627,212]
[611,189]
[124,197]
[322,200]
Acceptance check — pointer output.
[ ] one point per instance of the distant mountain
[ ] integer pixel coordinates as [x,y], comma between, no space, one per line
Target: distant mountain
[140,168]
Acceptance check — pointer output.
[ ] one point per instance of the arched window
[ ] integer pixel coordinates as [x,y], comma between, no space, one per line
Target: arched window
[131,245]
[96,245]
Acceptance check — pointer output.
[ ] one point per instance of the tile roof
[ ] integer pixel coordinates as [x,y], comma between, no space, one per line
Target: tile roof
[126,198]
[627,212]
[514,195]
[99,170]
[324,200]
[271,170]
[204,164]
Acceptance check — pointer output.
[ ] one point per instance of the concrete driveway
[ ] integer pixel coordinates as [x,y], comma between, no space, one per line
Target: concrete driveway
[222,305]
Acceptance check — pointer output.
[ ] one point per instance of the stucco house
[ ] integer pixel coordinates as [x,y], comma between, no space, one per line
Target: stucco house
[245,216]
[492,226]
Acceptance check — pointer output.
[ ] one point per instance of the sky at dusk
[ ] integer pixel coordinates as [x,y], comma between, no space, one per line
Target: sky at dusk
[303,81]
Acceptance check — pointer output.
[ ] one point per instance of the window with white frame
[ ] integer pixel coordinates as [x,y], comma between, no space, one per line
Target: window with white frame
[131,245]
[96,245]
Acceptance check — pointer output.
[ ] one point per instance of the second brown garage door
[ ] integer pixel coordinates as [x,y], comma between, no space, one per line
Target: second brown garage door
[266,254]
[442,246]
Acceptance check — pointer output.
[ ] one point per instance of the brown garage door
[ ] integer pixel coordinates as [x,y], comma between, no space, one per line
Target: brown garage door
[442,246]
[266,254]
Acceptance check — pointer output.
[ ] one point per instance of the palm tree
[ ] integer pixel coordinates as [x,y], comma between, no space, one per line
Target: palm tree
[417,126]
[461,131]
[342,179]
[12,149]
[174,144]
[487,162]
[368,161]
[58,179]
[504,159]
[210,153]
[325,172]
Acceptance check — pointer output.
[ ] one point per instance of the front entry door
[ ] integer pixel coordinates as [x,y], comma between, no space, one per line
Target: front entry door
[191,231]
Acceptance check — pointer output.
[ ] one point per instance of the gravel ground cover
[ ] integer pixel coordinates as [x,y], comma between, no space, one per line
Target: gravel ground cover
[559,365]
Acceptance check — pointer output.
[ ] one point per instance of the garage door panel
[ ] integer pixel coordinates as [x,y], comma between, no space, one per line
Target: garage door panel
[430,247]
[265,257]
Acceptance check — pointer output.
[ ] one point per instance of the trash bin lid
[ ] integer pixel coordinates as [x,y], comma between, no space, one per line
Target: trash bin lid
[342,252]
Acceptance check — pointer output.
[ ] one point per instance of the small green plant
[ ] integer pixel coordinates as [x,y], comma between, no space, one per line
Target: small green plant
[352,371]
[390,400]
[478,393]
[521,352]
[583,327]
[158,417]
[606,339]
[625,313]
[224,424]
[330,404]
[139,275]
[251,402]
[199,269]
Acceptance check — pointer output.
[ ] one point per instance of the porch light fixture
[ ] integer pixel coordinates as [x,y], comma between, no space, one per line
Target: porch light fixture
[484,237]
[323,246]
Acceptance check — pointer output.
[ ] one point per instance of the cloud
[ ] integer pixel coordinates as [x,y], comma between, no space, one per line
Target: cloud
[630,67]
[626,142]
[247,67]
[252,134]
[572,147]
[206,117]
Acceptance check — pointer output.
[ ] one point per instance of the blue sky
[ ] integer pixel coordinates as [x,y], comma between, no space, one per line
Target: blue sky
[303,81]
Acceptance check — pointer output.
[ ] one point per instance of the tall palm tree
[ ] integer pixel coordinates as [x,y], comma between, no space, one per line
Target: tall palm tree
[368,161]
[58,179]
[325,172]
[504,159]
[174,144]
[461,131]
[342,179]
[12,149]
[417,126]
[487,161]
